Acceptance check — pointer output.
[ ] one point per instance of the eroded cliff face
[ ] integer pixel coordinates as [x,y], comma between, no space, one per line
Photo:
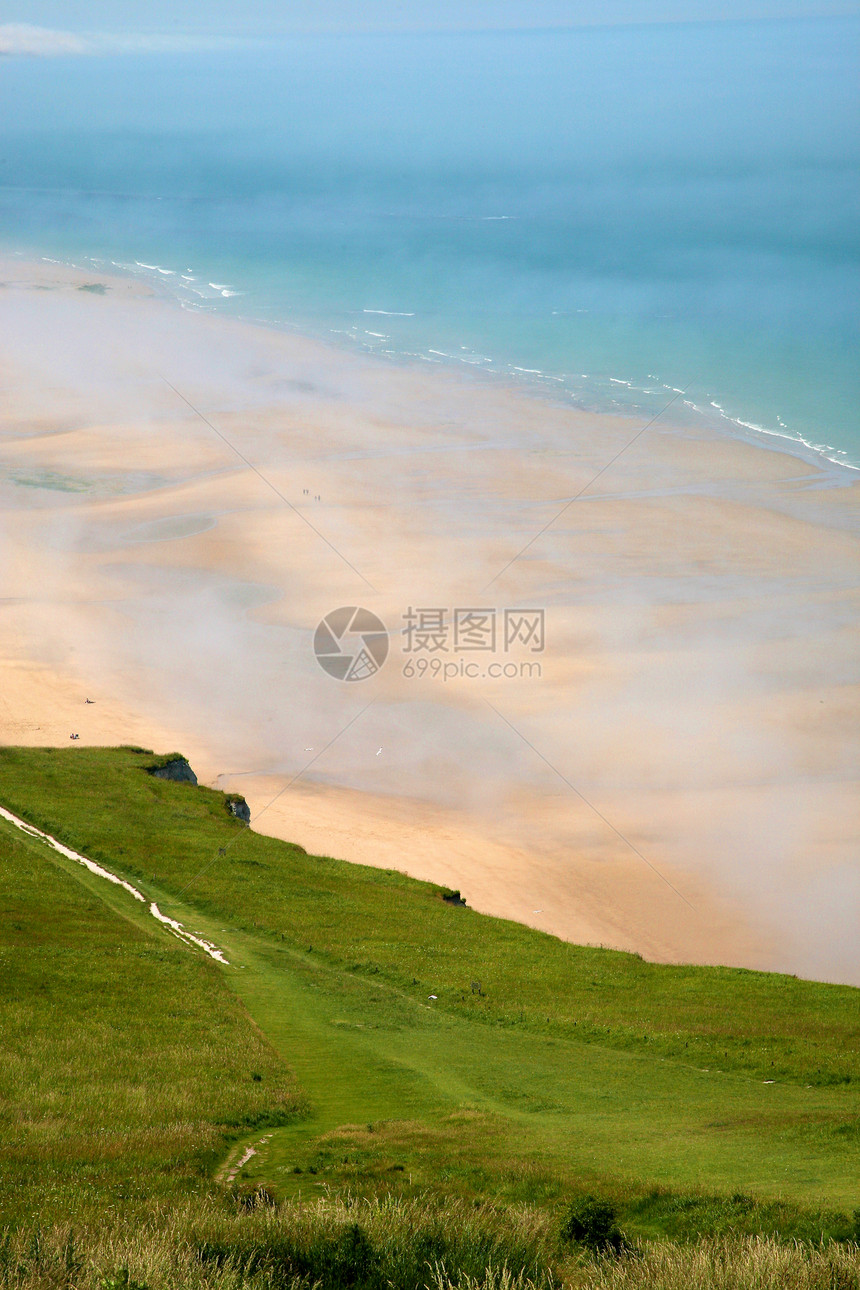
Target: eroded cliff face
[239,807]
[176,769]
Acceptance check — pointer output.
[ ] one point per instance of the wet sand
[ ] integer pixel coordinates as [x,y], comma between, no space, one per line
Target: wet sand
[680,779]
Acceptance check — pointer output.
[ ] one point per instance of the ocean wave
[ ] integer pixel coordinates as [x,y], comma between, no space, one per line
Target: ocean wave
[585,389]
[837,456]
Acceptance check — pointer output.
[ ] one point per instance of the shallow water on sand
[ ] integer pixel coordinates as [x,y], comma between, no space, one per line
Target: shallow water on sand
[615,215]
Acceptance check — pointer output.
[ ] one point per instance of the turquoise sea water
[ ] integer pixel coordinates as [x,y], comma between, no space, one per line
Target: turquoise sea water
[614,214]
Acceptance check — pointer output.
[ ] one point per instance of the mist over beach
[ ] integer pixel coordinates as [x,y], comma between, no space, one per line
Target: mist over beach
[554,330]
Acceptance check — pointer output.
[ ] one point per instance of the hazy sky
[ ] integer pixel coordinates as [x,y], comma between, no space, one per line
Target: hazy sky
[273,17]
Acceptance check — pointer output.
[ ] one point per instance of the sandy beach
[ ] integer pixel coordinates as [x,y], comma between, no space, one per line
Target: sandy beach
[184,497]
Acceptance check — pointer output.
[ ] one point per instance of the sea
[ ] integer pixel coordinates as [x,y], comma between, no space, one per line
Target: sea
[623,217]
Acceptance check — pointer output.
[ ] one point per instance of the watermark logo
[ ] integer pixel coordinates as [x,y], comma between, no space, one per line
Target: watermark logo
[351,643]
[473,630]
[472,642]
[466,643]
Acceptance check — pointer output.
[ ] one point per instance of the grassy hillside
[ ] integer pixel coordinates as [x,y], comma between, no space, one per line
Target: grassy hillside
[125,1063]
[372,922]
[694,1099]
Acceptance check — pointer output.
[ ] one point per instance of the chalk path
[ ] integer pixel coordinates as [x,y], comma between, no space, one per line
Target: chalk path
[171,924]
[228,1172]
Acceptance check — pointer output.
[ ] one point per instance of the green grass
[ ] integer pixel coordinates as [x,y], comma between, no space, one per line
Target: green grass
[396,1245]
[541,1070]
[372,922]
[125,1063]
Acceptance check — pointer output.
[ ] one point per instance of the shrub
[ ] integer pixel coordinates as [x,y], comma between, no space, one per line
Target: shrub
[120,1280]
[592,1222]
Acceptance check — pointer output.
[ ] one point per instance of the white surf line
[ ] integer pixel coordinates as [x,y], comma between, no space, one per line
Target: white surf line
[170,923]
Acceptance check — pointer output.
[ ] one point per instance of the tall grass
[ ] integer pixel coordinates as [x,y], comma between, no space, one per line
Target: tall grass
[395,1245]
[387,1244]
[755,1263]
[751,1263]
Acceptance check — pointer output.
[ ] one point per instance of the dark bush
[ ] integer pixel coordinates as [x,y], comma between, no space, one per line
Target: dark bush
[257,1197]
[351,1257]
[120,1280]
[855,1233]
[592,1222]
[349,1260]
